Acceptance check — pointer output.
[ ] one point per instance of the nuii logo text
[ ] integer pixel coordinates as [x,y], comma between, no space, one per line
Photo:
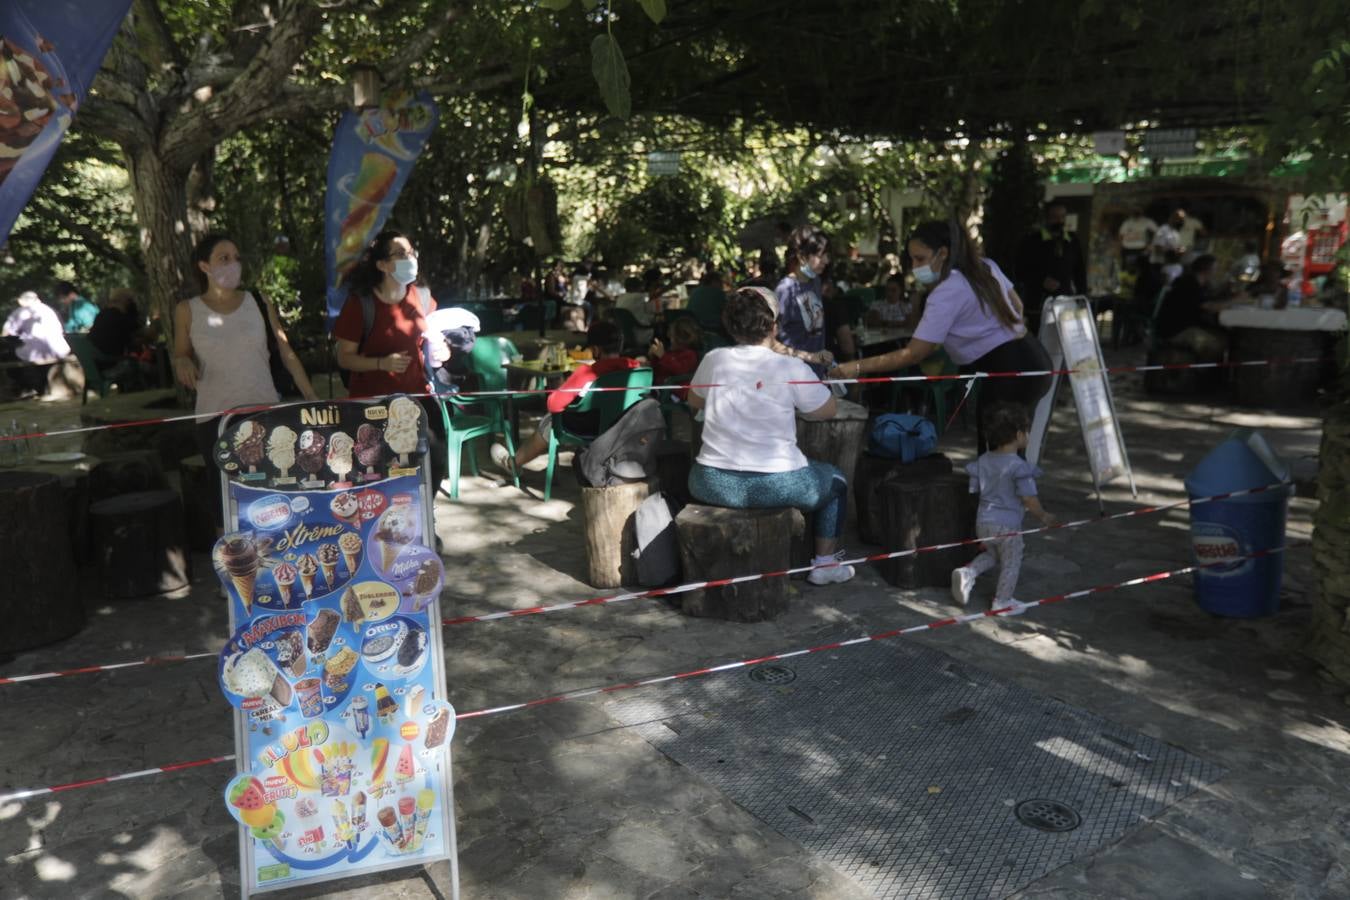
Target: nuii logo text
[270,512]
[1218,548]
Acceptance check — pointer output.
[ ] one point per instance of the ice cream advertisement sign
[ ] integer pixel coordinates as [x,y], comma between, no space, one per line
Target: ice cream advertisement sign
[335,667]
[50,51]
[373,154]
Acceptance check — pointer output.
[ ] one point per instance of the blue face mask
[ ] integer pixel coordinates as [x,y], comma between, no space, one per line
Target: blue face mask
[925,275]
[807,272]
[405,270]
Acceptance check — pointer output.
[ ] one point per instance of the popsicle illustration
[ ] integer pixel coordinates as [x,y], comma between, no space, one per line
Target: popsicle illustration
[281,449]
[359,811]
[389,823]
[248,444]
[400,432]
[369,447]
[426,799]
[340,447]
[405,771]
[407,811]
[311,455]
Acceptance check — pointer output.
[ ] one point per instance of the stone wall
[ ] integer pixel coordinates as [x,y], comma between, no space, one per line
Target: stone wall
[1329,640]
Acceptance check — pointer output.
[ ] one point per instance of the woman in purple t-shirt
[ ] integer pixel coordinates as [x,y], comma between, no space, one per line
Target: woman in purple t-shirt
[973,313]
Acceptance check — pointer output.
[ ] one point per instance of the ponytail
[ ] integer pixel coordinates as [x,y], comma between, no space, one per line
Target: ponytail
[963,255]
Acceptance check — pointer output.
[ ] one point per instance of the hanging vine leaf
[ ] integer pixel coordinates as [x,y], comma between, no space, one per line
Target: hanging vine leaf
[655,9]
[555,4]
[611,73]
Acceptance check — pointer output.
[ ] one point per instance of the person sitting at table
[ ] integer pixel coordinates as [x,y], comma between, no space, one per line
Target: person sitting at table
[114,335]
[43,343]
[642,298]
[750,458]
[973,313]
[605,341]
[1186,317]
[681,358]
[706,300]
[801,309]
[894,310]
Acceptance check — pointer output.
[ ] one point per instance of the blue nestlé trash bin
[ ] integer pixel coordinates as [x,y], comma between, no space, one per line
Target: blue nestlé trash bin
[1231,529]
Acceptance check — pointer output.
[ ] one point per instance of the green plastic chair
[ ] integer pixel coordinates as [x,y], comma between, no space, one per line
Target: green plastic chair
[462,426]
[88,354]
[610,405]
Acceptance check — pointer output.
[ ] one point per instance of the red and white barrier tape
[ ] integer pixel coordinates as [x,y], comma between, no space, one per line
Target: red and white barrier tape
[705,670]
[879,379]
[695,585]
[85,670]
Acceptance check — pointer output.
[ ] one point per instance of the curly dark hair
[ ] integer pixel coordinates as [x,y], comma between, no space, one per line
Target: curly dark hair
[606,336]
[747,316]
[1003,421]
[365,276]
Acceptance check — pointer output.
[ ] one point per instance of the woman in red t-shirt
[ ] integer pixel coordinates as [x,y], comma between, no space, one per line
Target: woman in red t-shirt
[388,360]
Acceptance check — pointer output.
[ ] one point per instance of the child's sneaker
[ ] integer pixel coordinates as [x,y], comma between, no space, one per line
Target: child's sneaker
[963,580]
[830,574]
[1010,607]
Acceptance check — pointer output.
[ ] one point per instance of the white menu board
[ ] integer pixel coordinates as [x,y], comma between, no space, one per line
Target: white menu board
[1069,333]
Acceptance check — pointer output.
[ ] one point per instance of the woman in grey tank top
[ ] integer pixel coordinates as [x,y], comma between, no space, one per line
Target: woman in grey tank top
[220,342]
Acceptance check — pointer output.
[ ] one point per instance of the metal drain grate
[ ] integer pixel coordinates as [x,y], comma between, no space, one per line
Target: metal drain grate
[895,763]
[1047,815]
[773,675]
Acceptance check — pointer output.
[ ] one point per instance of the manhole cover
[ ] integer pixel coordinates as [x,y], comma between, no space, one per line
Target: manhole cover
[1047,815]
[773,674]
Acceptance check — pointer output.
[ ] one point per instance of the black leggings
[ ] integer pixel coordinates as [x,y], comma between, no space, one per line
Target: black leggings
[1024,354]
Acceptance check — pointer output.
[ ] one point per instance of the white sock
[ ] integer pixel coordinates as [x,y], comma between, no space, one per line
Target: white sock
[822,560]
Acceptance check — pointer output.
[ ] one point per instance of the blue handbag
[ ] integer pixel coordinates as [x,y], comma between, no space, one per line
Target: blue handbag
[901,436]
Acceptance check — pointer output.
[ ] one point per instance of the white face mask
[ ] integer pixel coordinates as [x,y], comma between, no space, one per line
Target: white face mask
[226,276]
[405,270]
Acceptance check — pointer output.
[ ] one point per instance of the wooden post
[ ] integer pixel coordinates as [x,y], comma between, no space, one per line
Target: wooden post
[838,441]
[723,543]
[611,533]
[41,602]
[936,510]
[126,472]
[138,544]
[873,473]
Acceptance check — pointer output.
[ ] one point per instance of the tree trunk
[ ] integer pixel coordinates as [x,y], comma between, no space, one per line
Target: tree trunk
[160,196]
[1329,641]
[610,514]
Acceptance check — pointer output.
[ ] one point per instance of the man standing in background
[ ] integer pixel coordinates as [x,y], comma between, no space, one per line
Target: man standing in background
[1050,262]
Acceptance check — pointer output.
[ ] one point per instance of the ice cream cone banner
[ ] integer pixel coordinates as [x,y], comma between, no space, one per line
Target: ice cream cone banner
[389,553]
[307,582]
[329,572]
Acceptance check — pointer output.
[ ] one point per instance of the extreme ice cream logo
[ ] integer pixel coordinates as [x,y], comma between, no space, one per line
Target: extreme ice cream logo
[1217,548]
[270,512]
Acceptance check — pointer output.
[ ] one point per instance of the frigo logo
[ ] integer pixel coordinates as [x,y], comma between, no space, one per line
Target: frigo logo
[1218,548]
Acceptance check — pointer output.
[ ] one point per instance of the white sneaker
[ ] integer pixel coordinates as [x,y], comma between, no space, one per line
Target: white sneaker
[963,580]
[831,574]
[1010,607]
[502,459]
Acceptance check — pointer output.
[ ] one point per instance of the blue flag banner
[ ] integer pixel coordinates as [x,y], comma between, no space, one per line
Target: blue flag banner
[50,51]
[373,154]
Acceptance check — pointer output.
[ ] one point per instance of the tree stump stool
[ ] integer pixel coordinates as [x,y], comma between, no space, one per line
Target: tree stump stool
[138,544]
[936,510]
[718,543]
[838,441]
[126,472]
[611,532]
[40,602]
[197,482]
[873,473]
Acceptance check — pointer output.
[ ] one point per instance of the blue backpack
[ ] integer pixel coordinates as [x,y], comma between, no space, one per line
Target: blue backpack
[901,436]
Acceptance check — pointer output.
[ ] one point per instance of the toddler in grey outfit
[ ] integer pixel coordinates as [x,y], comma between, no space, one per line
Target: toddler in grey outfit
[1006,484]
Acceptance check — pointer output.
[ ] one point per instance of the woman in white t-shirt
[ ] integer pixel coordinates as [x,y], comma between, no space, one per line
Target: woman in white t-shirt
[750,458]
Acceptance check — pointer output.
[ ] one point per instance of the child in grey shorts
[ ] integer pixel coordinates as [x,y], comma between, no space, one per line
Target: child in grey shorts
[1006,484]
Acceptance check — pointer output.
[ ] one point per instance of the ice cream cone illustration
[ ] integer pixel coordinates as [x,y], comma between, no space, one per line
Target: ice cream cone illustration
[395,530]
[308,567]
[284,575]
[328,559]
[350,545]
[239,556]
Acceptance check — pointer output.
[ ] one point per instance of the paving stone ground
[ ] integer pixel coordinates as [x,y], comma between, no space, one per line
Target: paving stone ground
[563,802]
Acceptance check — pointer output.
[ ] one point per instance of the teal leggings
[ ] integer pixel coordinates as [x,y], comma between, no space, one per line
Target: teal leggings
[818,488]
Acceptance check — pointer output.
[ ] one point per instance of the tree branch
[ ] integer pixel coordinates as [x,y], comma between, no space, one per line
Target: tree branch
[86,235]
